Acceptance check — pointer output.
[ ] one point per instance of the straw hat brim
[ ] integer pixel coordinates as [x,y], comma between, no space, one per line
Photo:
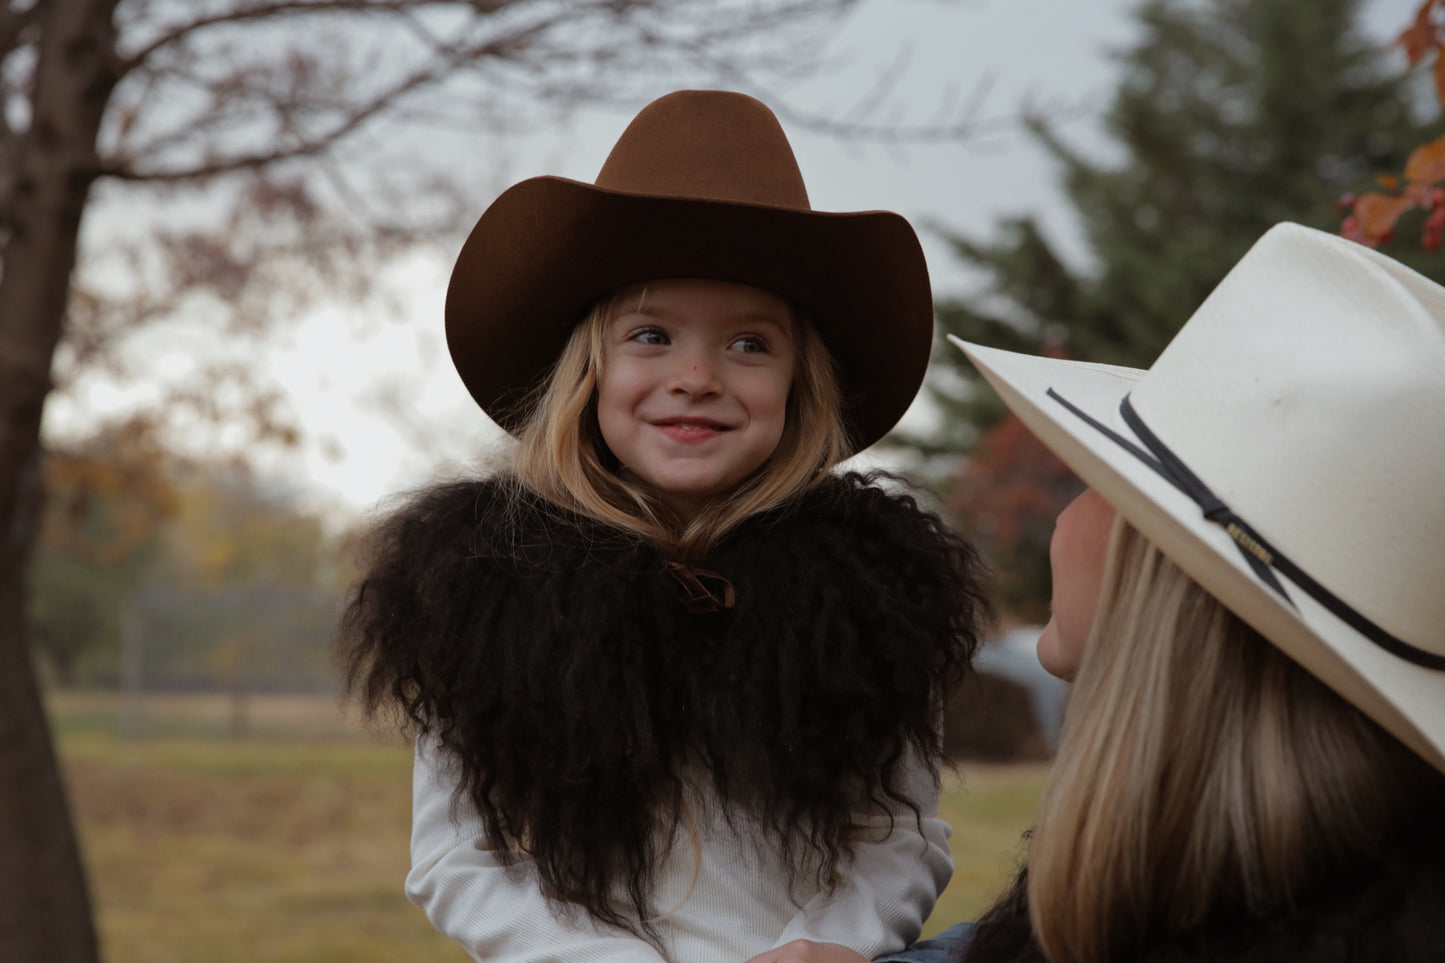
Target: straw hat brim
[549,247]
[1400,697]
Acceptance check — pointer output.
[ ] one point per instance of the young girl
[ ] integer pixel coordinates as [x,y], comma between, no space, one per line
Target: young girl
[1249,603]
[676,685]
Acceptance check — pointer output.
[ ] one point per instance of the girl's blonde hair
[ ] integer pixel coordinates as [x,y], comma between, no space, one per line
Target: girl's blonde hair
[561,454]
[1200,770]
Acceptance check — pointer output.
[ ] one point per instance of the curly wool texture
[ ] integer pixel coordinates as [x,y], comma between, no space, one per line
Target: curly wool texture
[554,657]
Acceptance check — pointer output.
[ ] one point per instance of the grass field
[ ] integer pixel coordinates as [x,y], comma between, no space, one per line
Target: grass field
[290,846]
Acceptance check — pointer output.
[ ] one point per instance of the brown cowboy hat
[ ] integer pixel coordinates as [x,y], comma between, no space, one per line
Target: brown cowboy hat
[702,184]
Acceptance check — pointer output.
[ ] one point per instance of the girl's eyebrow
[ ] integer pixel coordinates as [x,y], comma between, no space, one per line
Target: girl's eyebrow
[782,324]
[768,317]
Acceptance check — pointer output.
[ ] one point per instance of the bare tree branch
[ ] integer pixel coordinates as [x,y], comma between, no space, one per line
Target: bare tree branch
[449,60]
[17,41]
[276,9]
[14,22]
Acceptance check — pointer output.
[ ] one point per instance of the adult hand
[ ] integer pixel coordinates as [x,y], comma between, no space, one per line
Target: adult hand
[807,951]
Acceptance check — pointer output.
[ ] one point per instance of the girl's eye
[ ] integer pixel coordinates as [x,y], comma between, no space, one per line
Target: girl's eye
[751,344]
[649,336]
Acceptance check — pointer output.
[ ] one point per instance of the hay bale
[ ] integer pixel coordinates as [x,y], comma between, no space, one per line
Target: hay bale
[991,718]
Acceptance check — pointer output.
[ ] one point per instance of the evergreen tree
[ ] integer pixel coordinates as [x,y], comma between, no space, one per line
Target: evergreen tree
[1232,115]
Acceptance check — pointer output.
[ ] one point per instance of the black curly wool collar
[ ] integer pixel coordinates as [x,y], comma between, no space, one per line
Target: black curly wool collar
[559,660]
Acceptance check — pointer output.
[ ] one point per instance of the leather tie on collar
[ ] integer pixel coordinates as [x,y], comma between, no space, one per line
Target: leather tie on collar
[1261,556]
[702,591]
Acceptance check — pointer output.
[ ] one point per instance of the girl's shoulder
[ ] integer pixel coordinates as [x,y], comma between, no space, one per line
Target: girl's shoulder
[883,511]
[866,540]
[859,498]
[474,500]
[491,516]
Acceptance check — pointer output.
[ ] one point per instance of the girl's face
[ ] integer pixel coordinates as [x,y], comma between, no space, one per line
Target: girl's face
[1076,554]
[694,386]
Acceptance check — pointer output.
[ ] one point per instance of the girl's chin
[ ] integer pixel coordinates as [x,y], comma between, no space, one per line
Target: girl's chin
[685,500]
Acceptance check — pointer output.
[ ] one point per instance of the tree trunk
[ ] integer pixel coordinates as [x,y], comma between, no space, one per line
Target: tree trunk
[44,905]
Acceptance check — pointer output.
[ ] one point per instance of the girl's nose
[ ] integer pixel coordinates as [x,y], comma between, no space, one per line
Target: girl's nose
[695,374]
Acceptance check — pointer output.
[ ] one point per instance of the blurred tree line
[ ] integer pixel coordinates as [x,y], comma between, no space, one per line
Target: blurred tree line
[158,572]
[1230,116]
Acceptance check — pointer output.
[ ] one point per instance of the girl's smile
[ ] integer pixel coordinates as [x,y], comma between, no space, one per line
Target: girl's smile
[693,391]
[691,430]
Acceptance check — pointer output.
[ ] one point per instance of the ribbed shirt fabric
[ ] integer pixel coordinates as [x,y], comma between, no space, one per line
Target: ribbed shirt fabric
[723,900]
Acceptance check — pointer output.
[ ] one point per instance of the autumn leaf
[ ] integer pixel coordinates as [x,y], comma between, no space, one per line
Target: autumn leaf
[1371,218]
[1427,163]
[1419,38]
[1377,213]
[1421,195]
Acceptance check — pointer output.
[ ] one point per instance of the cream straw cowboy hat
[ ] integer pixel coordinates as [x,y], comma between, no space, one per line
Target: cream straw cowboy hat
[702,184]
[1287,450]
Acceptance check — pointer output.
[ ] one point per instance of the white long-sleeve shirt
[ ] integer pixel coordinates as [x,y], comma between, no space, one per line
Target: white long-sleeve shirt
[723,900]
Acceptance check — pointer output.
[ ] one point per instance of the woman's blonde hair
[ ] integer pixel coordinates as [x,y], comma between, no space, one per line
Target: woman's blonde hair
[561,454]
[1200,770]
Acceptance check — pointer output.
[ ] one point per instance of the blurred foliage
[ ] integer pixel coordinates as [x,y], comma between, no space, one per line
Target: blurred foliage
[1230,116]
[109,499]
[1010,491]
[217,579]
[1372,217]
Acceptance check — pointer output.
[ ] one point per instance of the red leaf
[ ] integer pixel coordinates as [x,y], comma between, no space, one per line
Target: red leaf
[1434,229]
[1419,38]
[1350,230]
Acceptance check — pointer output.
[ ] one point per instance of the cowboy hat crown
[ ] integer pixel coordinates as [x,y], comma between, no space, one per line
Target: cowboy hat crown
[707,145]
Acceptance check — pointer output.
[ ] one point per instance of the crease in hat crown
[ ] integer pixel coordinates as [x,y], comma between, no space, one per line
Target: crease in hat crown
[672,149]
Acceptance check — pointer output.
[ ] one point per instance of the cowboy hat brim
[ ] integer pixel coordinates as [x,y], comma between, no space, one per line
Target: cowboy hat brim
[549,247]
[1400,697]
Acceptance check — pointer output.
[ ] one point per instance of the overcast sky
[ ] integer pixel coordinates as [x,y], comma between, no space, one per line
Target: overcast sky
[1055,53]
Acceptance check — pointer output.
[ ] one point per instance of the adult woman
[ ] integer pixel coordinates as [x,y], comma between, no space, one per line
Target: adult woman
[1250,601]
